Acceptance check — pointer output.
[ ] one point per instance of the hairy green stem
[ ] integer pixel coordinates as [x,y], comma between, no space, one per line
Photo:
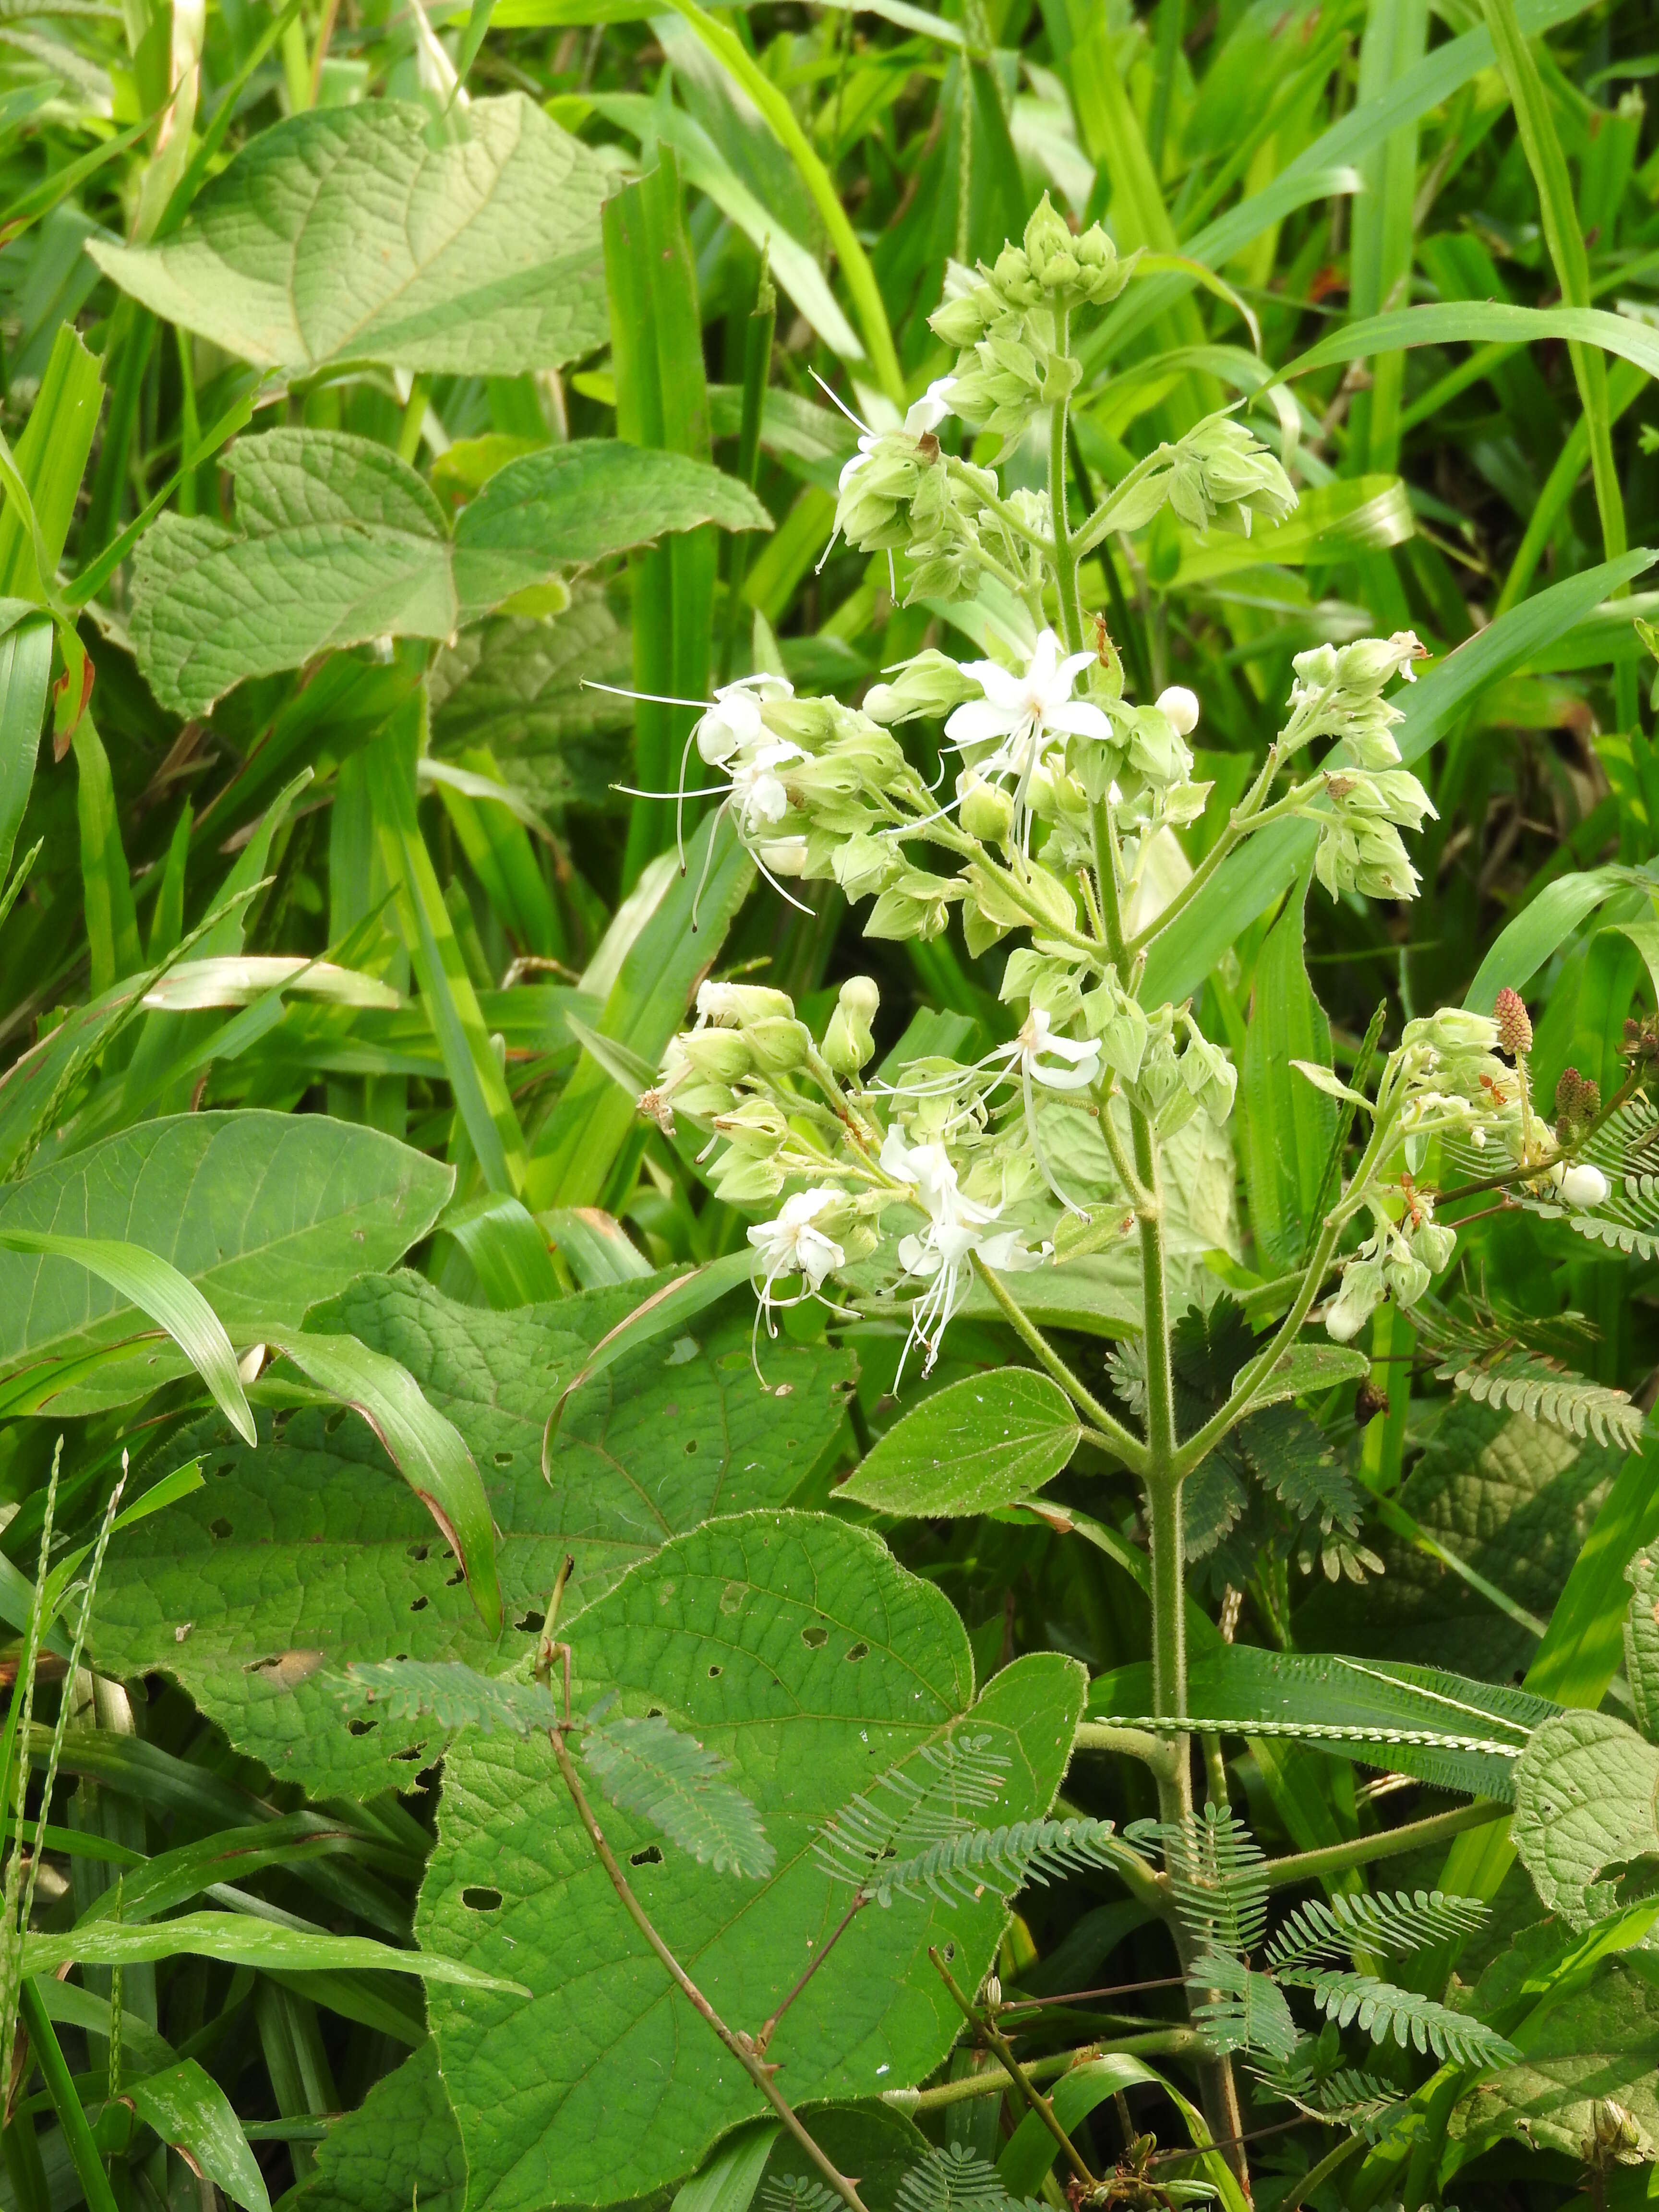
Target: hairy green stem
[1156,2043]
[1387,1844]
[1110,1429]
[1071,610]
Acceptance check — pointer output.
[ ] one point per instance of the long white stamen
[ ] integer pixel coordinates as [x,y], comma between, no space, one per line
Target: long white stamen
[650,698]
[709,791]
[842,403]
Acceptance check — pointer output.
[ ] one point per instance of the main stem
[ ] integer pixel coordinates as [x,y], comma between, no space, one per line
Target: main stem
[1162,1472]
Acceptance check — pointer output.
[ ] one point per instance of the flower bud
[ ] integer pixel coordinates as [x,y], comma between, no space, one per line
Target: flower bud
[1514,1027]
[1452,1031]
[1181,706]
[1050,247]
[723,1054]
[1577,1103]
[733,1005]
[1362,1293]
[866,864]
[987,811]
[1582,1185]
[780,1043]
[930,684]
[848,1041]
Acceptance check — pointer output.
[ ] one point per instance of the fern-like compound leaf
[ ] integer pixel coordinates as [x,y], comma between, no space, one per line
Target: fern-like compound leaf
[1215,1869]
[647,1767]
[1526,1383]
[793,2192]
[454,1695]
[1347,2097]
[959,1868]
[1237,2009]
[910,1808]
[954,2179]
[1396,1924]
[1383,2010]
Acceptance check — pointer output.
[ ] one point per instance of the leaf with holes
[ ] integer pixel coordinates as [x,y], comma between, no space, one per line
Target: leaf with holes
[796,1647]
[294,1561]
[987,1441]
[345,233]
[1586,1803]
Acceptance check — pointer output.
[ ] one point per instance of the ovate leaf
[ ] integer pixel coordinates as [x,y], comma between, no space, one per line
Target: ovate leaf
[265,1212]
[987,1441]
[1601,2043]
[344,234]
[338,541]
[312,1553]
[796,1647]
[1586,1803]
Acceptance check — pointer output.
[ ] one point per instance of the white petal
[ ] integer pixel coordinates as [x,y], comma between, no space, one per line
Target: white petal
[977,720]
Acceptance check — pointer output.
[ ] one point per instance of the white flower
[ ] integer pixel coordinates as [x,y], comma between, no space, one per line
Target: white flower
[792,1246]
[759,794]
[1023,715]
[733,725]
[1180,705]
[1582,1185]
[923,418]
[942,1255]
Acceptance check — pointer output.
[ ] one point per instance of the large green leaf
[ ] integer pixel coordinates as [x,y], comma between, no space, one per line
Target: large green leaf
[1512,1499]
[516,686]
[1586,1803]
[311,1554]
[400,2146]
[345,233]
[989,1440]
[266,1213]
[1601,2042]
[799,1650]
[338,541]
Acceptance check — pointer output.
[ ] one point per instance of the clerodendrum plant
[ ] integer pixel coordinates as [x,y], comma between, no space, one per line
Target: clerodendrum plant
[914,1183]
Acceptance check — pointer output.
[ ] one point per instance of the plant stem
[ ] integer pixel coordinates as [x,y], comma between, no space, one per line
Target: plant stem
[1156,2043]
[1333,2162]
[1112,1432]
[60,2088]
[741,2047]
[1387,1844]
[1071,610]
[983,2026]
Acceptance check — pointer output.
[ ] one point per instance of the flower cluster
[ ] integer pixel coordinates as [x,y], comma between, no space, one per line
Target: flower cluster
[1447,1079]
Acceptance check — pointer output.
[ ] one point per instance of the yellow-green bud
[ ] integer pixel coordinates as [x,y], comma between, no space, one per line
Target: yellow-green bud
[848,1041]
[780,1043]
[987,812]
[724,1054]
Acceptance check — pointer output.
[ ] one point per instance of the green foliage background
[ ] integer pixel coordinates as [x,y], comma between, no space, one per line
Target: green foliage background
[388,393]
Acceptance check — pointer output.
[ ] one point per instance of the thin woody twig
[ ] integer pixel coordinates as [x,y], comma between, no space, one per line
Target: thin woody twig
[741,2046]
[1004,2049]
[770,2027]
